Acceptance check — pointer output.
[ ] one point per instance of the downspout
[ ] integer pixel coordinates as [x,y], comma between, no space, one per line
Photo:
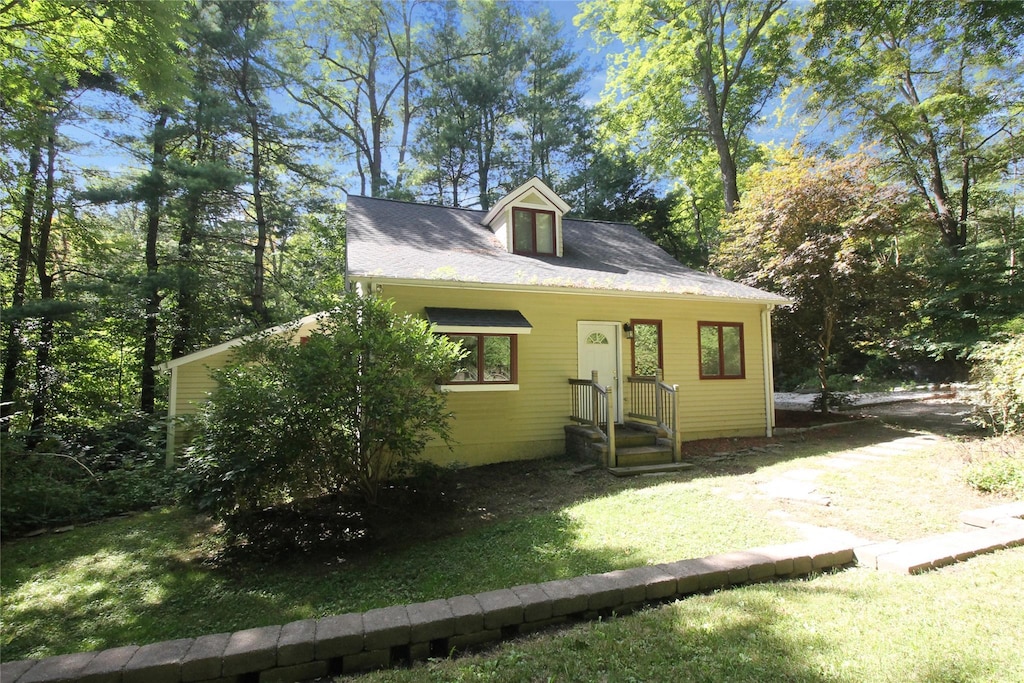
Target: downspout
[769,369]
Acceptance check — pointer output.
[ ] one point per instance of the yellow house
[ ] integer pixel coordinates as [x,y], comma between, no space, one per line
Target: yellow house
[565,321]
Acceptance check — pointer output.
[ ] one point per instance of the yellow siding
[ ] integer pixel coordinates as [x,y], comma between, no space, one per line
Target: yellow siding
[194,383]
[528,423]
[495,426]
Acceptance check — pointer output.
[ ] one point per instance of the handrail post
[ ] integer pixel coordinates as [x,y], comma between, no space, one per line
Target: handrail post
[677,446]
[612,458]
[659,413]
[596,412]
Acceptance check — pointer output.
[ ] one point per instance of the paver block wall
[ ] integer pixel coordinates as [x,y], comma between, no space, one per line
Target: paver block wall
[350,643]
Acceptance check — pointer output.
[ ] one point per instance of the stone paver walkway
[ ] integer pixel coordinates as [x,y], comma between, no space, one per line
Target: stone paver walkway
[799,484]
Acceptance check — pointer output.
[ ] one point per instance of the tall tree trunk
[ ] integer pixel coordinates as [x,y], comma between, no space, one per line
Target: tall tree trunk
[154,200]
[403,144]
[187,295]
[44,373]
[12,358]
[259,301]
[716,128]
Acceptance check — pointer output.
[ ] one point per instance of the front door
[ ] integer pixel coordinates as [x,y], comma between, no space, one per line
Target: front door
[598,344]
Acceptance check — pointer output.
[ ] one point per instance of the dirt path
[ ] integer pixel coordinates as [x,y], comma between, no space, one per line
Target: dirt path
[937,416]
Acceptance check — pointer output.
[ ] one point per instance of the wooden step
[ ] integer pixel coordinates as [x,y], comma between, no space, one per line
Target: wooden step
[643,455]
[627,438]
[666,468]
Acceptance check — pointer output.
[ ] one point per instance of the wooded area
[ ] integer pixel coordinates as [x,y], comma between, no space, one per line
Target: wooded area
[172,172]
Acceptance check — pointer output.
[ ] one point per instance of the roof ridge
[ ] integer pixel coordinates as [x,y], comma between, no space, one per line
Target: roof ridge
[412,203]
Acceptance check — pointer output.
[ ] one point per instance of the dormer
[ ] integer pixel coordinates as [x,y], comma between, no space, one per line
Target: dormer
[528,221]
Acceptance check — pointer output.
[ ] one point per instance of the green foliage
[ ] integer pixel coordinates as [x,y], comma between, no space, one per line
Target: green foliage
[1002,476]
[89,474]
[340,413]
[827,401]
[996,466]
[692,77]
[998,376]
[821,232]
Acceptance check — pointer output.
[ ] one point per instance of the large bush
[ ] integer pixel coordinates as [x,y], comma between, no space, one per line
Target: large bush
[338,412]
[85,474]
[998,376]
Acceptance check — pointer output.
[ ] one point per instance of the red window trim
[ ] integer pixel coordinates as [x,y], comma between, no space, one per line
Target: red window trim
[533,226]
[513,358]
[721,351]
[633,322]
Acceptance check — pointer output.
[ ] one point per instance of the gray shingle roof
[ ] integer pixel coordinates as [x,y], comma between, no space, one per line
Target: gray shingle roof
[406,241]
[475,317]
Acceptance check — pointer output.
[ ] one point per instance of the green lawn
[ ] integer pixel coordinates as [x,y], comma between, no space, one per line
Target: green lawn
[143,579]
[961,623]
[139,580]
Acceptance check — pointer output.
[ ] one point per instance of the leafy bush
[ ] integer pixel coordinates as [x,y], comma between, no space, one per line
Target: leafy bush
[998,467]
[88,474]
[828,401]
[339,414]
[998,376]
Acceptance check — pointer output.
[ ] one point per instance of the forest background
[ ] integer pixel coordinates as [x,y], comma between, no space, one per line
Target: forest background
[172,174]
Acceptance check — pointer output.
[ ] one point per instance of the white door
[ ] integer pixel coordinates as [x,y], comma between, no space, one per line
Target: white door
[598,344]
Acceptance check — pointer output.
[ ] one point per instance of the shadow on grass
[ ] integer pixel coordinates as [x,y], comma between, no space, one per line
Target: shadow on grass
[136,582]
[828,628]
[142,579]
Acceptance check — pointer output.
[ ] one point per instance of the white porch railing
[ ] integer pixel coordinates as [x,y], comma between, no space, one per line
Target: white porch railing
[652,400]
[593,404]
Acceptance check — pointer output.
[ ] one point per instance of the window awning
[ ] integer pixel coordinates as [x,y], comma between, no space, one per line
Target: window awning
[478,321]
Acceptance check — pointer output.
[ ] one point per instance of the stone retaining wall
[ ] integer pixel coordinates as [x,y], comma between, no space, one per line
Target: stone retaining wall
[391,636]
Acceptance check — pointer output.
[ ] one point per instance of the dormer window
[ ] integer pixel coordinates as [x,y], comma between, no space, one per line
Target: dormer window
[528,221]
[533,232]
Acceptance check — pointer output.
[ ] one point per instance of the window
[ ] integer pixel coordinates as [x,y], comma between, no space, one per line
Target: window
[647,355]
[721,351]
[490,359]
[533,232]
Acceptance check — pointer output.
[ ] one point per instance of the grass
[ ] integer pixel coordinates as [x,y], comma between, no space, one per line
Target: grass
[141,580]
[962,623]
[148,578]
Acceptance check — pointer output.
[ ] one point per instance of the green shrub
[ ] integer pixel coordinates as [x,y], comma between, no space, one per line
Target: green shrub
[997,466]
[829,401]
[339,414]
[88,474]
[998,376]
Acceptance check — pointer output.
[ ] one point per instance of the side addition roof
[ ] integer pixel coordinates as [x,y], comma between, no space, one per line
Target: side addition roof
[390,239]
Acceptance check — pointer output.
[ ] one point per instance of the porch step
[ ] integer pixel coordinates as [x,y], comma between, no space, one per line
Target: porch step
[631,456]
[629,438]
[650,469]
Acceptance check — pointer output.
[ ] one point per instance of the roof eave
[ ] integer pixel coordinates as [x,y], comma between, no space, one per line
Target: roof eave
[237,341]
[769,300]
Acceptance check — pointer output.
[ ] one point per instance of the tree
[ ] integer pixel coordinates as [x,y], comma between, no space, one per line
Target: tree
[489,88]
[937,87]
[341,412]
[552,107]
[821,232]
[926,79]
[49,50]
[692,72]
[359,66]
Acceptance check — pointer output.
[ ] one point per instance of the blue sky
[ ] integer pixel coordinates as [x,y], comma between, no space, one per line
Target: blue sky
[102,154]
